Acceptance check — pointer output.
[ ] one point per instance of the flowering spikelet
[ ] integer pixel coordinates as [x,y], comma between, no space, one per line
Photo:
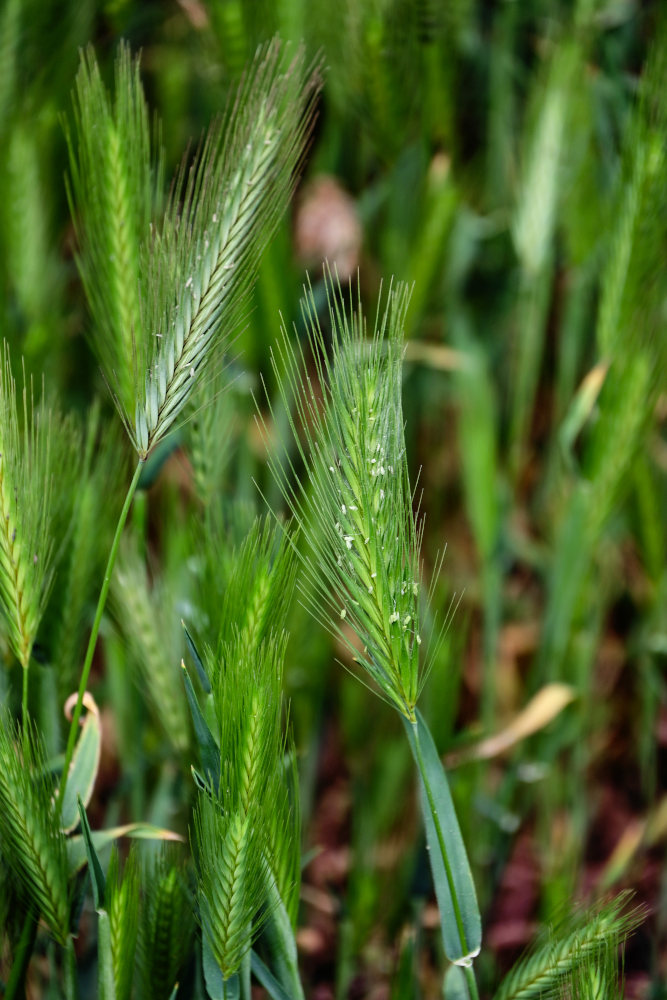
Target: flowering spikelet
[235,842]
[115,182]
[149,622]
[123,908]
[33,444]
[356,511]
[166,927]
[32,843]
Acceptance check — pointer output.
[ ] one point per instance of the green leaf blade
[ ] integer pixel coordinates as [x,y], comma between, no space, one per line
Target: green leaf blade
[454,886]
[83,769]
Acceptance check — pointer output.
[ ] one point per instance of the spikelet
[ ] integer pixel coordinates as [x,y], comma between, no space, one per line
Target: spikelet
[149,622]
[585,940]
[205,258]
[122,899]
[356,513]
[238,848]
[166,928]
[259,591]
[115,183]
[33,444]
[32,843]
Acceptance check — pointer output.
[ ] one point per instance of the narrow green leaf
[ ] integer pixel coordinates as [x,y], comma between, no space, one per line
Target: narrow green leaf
[281,940]
[71,980]
[84,767]
[15,986]
[209,750]
[212,975]
[245,977]
[194,653]
[76,847]
[454,886]
[404,984]
[267,979]
[200,781]
[96,873]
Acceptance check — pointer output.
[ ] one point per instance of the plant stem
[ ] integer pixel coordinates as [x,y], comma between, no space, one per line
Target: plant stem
[472,982]
[469,974]
[71,984]
[15,987]
[92,642]
[231,988]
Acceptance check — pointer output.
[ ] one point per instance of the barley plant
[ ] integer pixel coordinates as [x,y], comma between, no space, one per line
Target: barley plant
[375,382]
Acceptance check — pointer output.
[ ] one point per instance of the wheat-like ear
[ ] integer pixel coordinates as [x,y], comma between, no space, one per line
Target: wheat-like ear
[32,843]
[230,880]
[219,216]
[166,928]
[123,909]
[259,592]
[114,189]
[34,442]
[362,569]
[557,961]
[235,838]
[151,627]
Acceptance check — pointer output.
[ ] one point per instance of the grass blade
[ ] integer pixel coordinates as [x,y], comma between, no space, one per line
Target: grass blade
[266,978]
[454,886]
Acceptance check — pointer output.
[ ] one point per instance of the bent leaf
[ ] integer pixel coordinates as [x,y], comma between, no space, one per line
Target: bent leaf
[266,978]
[76,848]
[85,763]
[208,748]
[194,652]
[94,866]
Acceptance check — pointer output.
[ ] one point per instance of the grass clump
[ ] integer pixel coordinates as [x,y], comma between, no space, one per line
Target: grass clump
[510,161]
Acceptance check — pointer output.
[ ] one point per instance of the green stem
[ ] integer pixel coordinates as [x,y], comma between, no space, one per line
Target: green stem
[231,988]
[465,948]
[15,988]
[71,983]
[472,982]
[92,642]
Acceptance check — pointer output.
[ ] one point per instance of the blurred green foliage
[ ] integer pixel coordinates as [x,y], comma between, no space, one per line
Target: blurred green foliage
[509,159]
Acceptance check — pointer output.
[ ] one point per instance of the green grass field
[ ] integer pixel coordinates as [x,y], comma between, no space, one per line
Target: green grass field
[374,390]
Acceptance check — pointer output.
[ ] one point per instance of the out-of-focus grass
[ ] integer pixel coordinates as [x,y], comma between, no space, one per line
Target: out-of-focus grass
[509,159]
